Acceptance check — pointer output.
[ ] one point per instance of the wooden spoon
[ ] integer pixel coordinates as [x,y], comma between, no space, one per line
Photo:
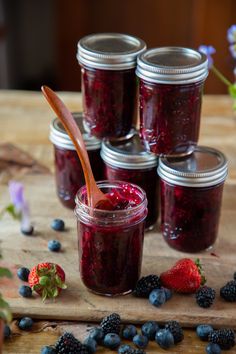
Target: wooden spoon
[96,199]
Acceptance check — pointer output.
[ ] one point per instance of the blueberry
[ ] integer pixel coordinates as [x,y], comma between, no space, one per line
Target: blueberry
[25,291]
[58,225]
[54,246]
[129,332]
[91,345]
[203,331]
[27,231]
[111,340]
[164,338]
[213,348]
[168,293]
[149,329]
[157,297]
[25,323]
[97,334]
[124,348]
[23,273]
[7,331]
[48,350]
[140,341]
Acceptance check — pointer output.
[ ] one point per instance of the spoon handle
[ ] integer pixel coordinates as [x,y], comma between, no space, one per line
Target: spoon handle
[73,131]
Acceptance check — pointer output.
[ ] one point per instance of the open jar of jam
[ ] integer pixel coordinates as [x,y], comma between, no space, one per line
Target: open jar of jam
[191,194]
[68,170]
[170,95]
[128,161]
[111,241]
[108,62]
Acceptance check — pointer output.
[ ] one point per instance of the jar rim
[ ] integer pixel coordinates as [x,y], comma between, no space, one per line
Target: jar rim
[205,167]
[109,51]
[114,217]
[173,65]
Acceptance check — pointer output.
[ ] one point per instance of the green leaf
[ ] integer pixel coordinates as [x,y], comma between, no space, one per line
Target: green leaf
[44,280]
[4,272]
[54,292]
[44,294]
[5,312]
[10,209]
[63,286]
[232,90]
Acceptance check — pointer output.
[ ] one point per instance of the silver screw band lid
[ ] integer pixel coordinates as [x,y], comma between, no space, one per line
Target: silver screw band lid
[205,167]
[109,51]
[127,154]
[172,65]
[60,138]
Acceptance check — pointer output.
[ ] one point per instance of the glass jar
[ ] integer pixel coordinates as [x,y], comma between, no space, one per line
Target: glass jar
[128,161]
[108,62]
[191,194]
[111,241]
[170,95]
[68,170]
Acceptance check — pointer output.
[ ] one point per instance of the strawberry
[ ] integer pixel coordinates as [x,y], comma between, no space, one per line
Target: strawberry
[184,277]
[47,279]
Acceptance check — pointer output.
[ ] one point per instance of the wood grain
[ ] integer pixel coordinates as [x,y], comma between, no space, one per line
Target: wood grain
[20,114]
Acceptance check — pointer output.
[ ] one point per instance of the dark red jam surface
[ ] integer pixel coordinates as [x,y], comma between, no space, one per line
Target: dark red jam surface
[69,173]
[190,216]
[108,101]
[111,254]
[170,116]
[144,178]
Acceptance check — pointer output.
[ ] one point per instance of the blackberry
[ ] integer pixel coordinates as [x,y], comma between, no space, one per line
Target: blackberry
[205,296]
[67,344]
[224,337]
[111,324]
[146,284]
[228,292]
[176,330]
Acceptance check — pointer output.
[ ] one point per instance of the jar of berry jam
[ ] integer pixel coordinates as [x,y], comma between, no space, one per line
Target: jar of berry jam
[191,194]
[68,170]
[108,62]
[170,95]
[128,161]
[111,241]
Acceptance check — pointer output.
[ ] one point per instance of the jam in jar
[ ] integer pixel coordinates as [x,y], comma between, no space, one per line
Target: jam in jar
[111,241]
[68,170]
[108,62]
[171,83]
[128,161]
[191,194]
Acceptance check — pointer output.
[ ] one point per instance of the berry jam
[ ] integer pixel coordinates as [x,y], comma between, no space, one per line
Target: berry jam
[190,216]
[111,242]
[108,101]
[147,179]
[69,174]
[170,117]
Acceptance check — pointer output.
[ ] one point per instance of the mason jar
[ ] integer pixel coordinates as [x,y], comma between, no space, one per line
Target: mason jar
[68,170]
[128,161]
[191,195]
[111,241]
[108,62]
[171,83]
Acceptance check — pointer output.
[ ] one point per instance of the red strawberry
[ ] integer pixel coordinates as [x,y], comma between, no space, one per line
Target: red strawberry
[47,279]
[184,277]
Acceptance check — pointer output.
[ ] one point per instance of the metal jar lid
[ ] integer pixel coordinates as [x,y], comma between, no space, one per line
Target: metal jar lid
[127,154]
[60,138]
[109,51]
[172,65]
[203,168]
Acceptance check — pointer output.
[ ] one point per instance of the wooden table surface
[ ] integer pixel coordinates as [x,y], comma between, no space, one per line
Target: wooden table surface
[24,121]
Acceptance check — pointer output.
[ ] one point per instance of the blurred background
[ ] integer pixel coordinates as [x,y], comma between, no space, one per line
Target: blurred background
[38,38]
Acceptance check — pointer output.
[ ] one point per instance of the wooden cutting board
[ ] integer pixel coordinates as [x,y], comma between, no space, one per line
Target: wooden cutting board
[76,303]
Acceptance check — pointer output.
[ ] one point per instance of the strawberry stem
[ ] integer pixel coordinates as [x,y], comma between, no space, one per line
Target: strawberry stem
[201,272]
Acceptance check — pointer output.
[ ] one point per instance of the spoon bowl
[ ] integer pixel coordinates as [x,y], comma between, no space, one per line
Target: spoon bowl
[96,199]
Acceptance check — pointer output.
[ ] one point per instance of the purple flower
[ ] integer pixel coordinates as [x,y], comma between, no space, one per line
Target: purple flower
[232,49]
[231,34]
[20,205]
[208,50]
